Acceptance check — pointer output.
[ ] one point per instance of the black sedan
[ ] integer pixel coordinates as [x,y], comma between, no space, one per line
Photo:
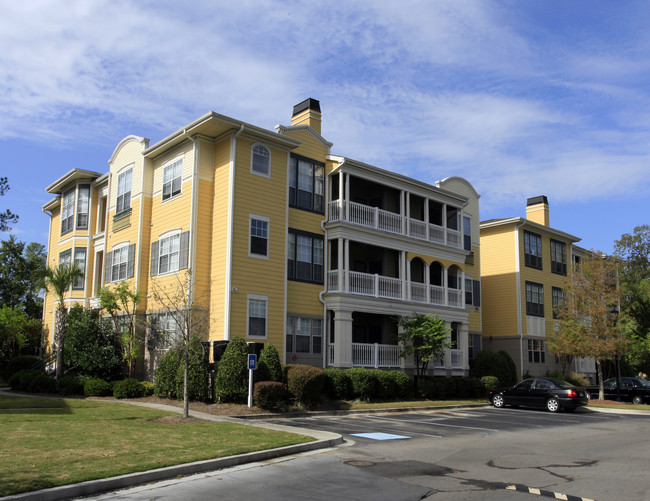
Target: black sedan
[554,394]
[633,389]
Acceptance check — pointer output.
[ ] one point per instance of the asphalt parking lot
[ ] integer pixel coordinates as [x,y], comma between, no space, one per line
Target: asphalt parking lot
[449,423]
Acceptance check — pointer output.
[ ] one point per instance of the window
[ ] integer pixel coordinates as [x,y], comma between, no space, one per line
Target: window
[536,353]
[469,291]
[306,184]
[124,191]
[453,335]
[67,212]
[467,233]
[120,263]
[80,261]
[533,250]
[82,206]
[257,315]
[170,253]
[558,257]
[473,345]
[261,160]
[304,335]
[534,299]
[259,236]
[163,331]
[172,179]
[65,258]
[305,257]
[559,300]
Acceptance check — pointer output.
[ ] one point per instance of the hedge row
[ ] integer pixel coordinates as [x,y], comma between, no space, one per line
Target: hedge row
[441,388]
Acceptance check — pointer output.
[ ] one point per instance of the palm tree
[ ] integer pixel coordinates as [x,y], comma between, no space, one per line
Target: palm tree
[59,280]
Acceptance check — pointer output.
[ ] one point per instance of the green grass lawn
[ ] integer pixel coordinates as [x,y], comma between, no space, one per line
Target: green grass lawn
[69,440]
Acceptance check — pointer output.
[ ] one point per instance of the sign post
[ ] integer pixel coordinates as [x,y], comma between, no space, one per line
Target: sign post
[252,365]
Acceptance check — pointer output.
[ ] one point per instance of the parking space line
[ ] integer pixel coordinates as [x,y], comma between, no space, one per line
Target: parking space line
[365,426]
[433,423]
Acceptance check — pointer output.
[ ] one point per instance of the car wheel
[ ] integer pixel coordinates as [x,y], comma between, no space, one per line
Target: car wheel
[637,400]
[552,404]
[497,400]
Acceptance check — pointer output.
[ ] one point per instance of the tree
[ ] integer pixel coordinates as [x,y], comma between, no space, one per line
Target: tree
[59,280]
[633,251]
[588,323]
[19,334]
[91,347]
[121,303]
[22,271]
[423,336]
[176,300]
[7,217]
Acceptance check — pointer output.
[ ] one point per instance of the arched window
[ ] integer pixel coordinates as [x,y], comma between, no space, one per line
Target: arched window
[261,160]
[417,270]
[436,274]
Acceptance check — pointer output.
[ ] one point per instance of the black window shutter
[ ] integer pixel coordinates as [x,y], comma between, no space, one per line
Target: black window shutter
[154,258]
[108,267]
[477,293]
[183,256]
[131,262]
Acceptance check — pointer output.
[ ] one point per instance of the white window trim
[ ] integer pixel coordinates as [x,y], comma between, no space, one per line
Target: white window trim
[162,185]
[123,170]
[258,297]
[116,247]
[268,236]
[169,234]
[253,171]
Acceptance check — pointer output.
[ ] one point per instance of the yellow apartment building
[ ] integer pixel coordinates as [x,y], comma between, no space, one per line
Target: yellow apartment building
[524,264]
[286,243]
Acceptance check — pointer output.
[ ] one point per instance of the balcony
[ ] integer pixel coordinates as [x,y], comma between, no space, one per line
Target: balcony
[377,356]
[391,222]
[379,286]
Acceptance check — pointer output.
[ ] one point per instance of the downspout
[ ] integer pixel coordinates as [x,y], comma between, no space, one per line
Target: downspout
[229,232]
[193,218]
[520,328]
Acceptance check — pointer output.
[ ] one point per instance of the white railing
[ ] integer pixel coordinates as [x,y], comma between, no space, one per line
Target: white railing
[418,292]
[455,297]
[375,285]
[374,217]
[366,284]
[456,359]
[437,294]
[375,355]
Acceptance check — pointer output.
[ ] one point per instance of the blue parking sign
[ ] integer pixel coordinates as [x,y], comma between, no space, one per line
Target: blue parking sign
[252,362]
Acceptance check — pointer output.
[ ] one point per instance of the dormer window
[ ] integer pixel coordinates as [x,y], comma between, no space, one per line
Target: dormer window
[261,160]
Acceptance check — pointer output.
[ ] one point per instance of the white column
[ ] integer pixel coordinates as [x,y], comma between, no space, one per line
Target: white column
[448,350]
[427,278]
[408,214]
[426,219]
[402,274]
[347,197]
[346,274]
[402,211]
[339,265]
[463,344]
[408,279]
[445,283]
[342,339]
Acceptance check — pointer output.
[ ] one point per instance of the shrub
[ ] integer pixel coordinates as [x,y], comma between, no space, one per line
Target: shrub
[386,385]
[364,383]
[305,383]
[96,387]
[403,384]
[576,379]
[269,367]
[437,388]
[42,383]
[128,388]
[165,379]
[70,385]
[22,362]
[490,383]
[500,365]
[270,395]
[338,385]
[231,383]
[147,388]
[21,380]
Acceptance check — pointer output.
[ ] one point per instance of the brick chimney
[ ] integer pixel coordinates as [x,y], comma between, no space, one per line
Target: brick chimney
[307,113]
[537,210]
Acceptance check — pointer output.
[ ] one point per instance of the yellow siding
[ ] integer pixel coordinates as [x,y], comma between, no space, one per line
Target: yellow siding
[202,270]
[185,152]
[498,281]
[310,147]
[129,155]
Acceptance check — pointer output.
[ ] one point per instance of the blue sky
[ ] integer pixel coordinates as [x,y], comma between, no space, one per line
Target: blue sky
[520,98]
